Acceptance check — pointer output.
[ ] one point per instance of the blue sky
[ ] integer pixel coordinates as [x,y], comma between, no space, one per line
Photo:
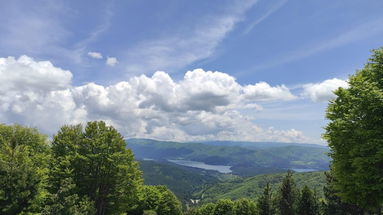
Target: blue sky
[300,50]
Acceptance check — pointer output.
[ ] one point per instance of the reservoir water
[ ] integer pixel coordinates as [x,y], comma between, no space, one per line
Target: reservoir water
[202,165]
[304,170]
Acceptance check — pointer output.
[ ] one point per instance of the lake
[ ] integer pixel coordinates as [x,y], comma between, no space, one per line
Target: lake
[304,170]
[202,165]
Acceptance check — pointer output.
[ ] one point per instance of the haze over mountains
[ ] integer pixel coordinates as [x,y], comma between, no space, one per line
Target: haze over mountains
[198,170]
[243,158]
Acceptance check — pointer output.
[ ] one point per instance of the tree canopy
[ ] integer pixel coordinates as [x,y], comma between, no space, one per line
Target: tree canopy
[355,136]
[307,204]
[287,199]
[265,201]
[101,167]
[23,165]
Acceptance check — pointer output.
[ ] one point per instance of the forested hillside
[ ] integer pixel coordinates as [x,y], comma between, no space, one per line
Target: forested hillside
[183,181]
[209,186]
[243,160]
[83,170]
[91,169]
[253,186]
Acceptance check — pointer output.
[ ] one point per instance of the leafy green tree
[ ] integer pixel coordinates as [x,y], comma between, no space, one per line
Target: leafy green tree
[287,196]
[149,197]
[149,212]
[308,203]
[206,209]
[23,166]
[157,198]
[332,204]
[265,201]
[355,133]
[101,167]
[244,207]
[168,204]
[224,207]
[66,202]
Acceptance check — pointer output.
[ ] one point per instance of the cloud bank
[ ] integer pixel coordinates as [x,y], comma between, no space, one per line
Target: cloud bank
[323,91]
[204,105]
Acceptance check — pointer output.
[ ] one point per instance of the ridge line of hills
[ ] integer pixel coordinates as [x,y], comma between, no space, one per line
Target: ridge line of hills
[251,163]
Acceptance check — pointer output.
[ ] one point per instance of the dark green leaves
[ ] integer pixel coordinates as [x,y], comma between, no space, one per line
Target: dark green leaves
[96,159]
[355,136]
[23,157]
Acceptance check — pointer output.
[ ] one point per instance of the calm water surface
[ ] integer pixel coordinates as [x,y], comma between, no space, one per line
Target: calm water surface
[304,170]
[202,165]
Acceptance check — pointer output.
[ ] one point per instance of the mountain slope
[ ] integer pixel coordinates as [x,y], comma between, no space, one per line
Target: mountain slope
[253,186]
[243,161]
[258,145]
[183,181]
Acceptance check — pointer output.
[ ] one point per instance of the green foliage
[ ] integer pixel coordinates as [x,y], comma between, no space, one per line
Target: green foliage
[245,161]
[254,186]
[308,203]
[149,212]
[332,204]
[183,181]
[99,164]
[244,207]
[355,133]
[23,157]
[287,196]
[66,201]
[206,209]
[224,207]
[265,206]
[149,197]
[168,204]
[159,199]
[90,171]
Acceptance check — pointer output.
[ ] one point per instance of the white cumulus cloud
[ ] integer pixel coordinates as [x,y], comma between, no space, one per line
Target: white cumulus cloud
[323,91]
[262,91]
[111,61]
[204,105]
[96,55]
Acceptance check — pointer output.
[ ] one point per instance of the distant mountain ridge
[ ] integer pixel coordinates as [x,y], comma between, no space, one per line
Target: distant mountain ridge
[244,158]
[244,144]
[258,145]
[193,183]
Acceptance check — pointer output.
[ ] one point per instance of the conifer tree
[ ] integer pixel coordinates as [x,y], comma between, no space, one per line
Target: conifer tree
[265,201]
[307,204]
[287,199]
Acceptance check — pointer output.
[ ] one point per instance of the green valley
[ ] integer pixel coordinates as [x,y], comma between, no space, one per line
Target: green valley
[208,186]
[253,186]
[244,160]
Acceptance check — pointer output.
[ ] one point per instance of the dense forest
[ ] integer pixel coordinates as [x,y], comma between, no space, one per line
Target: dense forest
[90,169]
